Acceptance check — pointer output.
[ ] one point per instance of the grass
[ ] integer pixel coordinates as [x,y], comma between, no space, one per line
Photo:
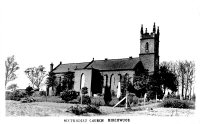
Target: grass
[55,106]
[177,103]
[16,108]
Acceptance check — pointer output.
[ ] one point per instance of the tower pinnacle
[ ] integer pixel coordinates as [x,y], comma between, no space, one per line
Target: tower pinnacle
[141,31]
[158,31]
[154,28]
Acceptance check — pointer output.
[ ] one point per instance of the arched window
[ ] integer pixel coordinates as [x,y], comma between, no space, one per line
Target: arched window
[126,77]
[111,80]
[82,84]
[105,83]
[120,77]
[147,47]
[105,80]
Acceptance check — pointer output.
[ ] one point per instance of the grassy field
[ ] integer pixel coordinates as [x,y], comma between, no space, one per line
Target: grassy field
[15,108]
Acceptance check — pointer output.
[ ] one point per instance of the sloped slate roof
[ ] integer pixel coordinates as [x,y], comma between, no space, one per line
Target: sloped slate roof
[114,64]
[69,67]
[103,65]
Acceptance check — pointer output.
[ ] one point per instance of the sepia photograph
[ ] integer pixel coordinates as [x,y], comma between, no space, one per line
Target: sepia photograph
[87,61]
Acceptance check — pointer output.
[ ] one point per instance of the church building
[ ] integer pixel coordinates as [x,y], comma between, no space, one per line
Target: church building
[98,74]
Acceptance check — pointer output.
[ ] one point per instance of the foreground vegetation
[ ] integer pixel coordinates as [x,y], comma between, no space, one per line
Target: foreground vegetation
[22,103]
[16,108]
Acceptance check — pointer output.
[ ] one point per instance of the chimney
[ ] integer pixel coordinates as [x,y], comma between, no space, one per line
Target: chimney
[51,67]
[60,62]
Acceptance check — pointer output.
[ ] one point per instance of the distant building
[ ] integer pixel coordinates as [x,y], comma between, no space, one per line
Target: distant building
[97,74]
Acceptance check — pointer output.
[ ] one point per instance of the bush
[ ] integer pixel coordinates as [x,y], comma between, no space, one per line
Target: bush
[85,99]
[27,100]
[55,99]
[193,98]
[132,99]
[39,93]
[36,94]
[97,101]
[152,95]
[92,109]
[78,110]
[8,95]
[29,90]
[84,90]
[68,95]
[42,93]
[16,95]
[175,103]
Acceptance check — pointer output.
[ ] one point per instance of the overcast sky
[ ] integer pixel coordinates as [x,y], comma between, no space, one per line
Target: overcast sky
[43,31]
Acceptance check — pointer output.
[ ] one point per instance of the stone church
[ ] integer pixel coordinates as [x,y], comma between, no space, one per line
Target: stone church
[98,74]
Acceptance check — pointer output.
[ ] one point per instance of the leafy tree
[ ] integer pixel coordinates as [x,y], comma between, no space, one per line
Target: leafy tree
[12,87]
[11,68]
[51,82]
[68,82]
[168,79]
[140,83]
[154,87]
[36,75]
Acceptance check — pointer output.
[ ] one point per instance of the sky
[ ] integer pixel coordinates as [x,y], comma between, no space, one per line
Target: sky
[41,32]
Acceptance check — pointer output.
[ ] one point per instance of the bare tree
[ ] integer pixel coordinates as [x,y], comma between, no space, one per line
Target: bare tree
[190,68]
[182,72]
[11,68]
[12,87]
[36,75]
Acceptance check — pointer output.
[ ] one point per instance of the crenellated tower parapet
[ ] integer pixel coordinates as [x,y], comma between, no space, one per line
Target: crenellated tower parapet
[149,48]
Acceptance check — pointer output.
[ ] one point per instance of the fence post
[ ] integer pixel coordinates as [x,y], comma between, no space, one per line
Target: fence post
[126,101]
[145,95]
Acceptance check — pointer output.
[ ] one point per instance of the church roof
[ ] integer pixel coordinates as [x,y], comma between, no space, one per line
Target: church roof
[103,65]
[69,67]
[114,64]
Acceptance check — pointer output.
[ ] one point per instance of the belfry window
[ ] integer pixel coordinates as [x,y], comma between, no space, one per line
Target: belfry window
[147,47]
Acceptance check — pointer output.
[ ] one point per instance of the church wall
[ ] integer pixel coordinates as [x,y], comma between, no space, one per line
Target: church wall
[114,78]
[77,81]
[148,61]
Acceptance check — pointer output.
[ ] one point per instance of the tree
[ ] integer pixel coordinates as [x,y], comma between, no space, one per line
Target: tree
[36,75]
[140,83]
[168,79]
[12,87]
[11,68]
[51,82]
[68,82]
[182,71]
[189,72]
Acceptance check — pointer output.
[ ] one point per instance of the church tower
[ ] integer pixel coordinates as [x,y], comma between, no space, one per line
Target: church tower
[149,49]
